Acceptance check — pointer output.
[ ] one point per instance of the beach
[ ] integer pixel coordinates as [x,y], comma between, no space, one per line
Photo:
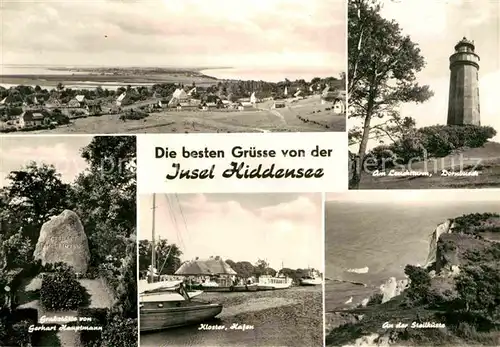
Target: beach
[289,317]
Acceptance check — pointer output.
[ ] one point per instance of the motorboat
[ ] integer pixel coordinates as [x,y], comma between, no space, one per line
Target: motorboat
[173,308]
[310,281]
[267,282]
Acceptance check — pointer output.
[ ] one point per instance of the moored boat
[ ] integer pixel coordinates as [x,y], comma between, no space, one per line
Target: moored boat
[167,304]
[310,281]
[267,282]
[171,309]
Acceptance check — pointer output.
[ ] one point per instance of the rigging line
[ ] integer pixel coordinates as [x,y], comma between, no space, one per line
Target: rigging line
[179,233]
[169,249]
[182,214]
[174,221]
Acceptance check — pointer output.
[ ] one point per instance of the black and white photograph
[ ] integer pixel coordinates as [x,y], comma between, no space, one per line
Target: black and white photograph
[422,88]
[412,268]
[68,246]
[216,66]
[231,270]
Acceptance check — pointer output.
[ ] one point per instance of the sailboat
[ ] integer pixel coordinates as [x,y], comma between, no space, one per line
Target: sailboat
[167,304]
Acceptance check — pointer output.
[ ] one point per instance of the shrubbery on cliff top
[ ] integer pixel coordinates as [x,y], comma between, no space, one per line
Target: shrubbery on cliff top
[476,222]
[437,140]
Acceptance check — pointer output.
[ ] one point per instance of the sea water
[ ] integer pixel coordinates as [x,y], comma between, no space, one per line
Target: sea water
[370,242]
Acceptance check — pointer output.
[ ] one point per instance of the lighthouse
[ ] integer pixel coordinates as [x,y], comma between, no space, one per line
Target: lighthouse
[463,102]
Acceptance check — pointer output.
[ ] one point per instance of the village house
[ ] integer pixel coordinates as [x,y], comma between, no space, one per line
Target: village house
[245,105]
[53,102]
[155,107]
[209,106]
[339,106]
[77,102]
[93,107]
[179,96]
[30,119]
[123,100]
[8,100]
[253,98]
[186,106]
[279,104]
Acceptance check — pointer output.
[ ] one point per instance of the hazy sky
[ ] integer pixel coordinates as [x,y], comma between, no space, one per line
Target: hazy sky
[437,26]
[242,227]
[61,151]
[175,32]
[426,196]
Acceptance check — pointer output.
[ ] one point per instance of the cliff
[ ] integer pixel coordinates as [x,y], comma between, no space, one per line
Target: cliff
[468,244]
[443,228]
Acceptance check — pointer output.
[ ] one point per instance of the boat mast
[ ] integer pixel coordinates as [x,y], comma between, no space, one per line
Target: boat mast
[153,247]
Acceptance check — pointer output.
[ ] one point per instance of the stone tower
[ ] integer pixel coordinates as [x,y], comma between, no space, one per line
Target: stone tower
[463,103]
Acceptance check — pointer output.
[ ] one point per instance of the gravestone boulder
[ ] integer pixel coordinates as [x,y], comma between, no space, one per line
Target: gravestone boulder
[62,239]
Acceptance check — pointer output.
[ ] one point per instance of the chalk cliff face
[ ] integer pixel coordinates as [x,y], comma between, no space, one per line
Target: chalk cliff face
[392,288]
[443,228]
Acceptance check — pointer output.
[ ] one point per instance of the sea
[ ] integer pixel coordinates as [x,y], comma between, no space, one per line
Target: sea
[41,70]
[274,74]
[367,243]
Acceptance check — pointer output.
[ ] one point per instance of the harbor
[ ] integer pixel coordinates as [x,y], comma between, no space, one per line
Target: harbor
[237,298]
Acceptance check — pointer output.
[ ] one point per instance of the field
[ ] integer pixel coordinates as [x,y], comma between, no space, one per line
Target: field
[487,158]
[263,119]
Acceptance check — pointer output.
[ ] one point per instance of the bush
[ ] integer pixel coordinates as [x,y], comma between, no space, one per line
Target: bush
[28,314]
[134,115]
[56,267]
[20,335]
[121,332]
[437,140]
[19,251]
[420,282]
[92,273]
[110,275]
[375,299]
[474,222]
[91,338]
[478,288]
[61,291]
